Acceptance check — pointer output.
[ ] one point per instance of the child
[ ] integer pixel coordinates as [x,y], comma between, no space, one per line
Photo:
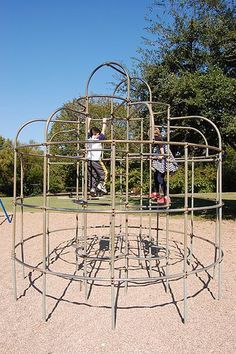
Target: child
[160,167]
[97,171]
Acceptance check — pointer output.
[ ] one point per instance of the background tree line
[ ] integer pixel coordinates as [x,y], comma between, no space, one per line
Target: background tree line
[189,60]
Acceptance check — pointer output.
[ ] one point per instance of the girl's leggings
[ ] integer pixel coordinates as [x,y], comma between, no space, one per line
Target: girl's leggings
[159,179]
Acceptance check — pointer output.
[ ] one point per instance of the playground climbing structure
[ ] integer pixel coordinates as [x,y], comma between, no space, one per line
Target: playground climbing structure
[123,239]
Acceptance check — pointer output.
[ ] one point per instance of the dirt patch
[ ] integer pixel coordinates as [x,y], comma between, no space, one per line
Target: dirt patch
[149,317]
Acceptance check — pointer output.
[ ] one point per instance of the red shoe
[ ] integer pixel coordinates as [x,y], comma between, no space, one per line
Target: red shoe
[164,200]
[154,195]
[167,200]
[161,200]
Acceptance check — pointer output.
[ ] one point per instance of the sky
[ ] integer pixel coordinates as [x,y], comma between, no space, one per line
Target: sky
[50,47]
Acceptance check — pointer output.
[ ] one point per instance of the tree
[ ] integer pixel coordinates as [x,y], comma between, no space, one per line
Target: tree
[192,35]
[6,166]
[32,169]
[190,62]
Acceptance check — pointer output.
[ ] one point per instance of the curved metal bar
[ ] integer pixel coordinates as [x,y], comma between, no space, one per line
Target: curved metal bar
[186,128]
[24,125]
[130,279]
[205,119]
[62,132]
[114,65]
[49,120]
[135,78]
[141,209]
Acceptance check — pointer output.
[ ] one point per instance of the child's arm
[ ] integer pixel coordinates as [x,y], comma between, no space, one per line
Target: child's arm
[89,120]
[162,151]
[104,125]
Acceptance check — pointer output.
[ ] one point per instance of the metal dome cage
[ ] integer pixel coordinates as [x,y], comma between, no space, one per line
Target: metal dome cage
[124,238]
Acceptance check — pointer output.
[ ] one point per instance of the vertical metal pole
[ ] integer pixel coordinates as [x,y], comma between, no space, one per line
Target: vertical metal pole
[84,230]
[219,227]
[112,233]
[141,169]
[22,213]
[192,214]
[77,198]
[139,238]
[217,221]
[168,155]
[44,233]
[168,193]
[126,205]
[167,251]
[185,230]
[151,137]
[48,189]
[13,255]
[85,235]
[157,229]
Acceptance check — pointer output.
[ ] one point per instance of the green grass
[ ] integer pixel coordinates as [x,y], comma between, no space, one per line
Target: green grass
[203,199]
[229,199]
[55,202]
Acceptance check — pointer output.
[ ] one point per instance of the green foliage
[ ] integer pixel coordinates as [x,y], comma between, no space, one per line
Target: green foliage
[134,177]
[189,60]
[229,170]
[193,65]
[57,179]
[190,35]
[211,95]
[204,180]
[177,181]
[33,182]
[6,166]
[32,170]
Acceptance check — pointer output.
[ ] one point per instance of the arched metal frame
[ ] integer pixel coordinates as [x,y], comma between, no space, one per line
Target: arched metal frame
[132,234]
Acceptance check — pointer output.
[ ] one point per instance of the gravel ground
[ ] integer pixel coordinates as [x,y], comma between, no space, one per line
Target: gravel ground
[149,319]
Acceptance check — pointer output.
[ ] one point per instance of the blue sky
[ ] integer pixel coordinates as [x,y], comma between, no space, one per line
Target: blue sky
[50,47]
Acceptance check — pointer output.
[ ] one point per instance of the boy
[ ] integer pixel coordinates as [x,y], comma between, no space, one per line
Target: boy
[97,171]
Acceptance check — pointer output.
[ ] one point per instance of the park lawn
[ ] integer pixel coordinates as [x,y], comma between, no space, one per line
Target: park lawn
[229,200]
[57,202]
[63,202]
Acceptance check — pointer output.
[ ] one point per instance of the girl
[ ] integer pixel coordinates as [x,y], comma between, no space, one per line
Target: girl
[160,167]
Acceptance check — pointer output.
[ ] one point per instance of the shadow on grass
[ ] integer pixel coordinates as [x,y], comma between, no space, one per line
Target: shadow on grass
[228,210]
